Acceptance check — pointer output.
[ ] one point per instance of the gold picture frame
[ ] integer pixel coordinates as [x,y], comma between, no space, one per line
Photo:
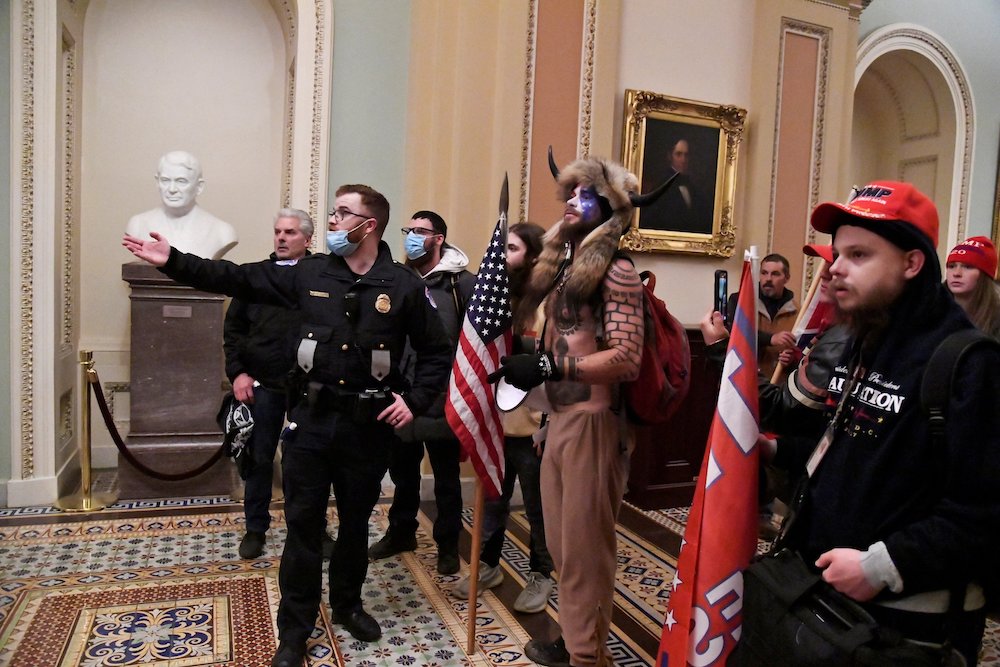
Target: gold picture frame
[661,135]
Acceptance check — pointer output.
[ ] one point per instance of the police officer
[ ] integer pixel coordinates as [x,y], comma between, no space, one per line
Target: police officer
[358,309]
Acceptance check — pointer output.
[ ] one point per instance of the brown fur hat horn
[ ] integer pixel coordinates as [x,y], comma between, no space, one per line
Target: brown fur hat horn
[593,256]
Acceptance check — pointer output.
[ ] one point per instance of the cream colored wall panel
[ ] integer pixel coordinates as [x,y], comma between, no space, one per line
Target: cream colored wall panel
[207,78]
[465,114]
[701,50]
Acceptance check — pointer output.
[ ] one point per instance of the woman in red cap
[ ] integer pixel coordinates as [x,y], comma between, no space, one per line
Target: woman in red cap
[972,266]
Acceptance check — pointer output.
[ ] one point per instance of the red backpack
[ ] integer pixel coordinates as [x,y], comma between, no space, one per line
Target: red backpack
[665,371]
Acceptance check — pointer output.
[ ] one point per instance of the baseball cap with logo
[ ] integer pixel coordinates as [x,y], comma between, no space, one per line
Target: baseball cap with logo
[977,251]
[818,250]
[881,201]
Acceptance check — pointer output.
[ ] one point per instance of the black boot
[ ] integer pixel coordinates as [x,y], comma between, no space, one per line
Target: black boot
[252,545]
[359,623]
[448,562]
[289,655]
[553,654]
[390,545]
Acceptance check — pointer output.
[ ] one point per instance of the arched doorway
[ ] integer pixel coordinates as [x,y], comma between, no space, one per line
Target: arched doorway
[913,120]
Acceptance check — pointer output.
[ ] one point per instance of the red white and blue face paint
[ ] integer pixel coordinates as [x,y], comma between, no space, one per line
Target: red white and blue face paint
[584,205]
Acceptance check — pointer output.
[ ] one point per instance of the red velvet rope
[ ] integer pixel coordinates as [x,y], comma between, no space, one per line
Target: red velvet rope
[95,382]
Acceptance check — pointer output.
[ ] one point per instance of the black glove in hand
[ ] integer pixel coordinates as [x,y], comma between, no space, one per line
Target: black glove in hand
[525,371]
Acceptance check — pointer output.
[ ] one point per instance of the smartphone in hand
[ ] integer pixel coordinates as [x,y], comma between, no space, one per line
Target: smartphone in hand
[721,294]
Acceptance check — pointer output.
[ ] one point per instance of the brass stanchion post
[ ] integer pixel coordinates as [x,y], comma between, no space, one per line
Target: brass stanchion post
[86,501]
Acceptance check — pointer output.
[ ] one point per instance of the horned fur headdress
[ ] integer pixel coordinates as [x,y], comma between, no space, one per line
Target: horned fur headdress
[617,189]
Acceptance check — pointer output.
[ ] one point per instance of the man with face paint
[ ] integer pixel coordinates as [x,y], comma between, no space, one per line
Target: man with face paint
[443,268]
[190,227]
[358,308]
[591,342]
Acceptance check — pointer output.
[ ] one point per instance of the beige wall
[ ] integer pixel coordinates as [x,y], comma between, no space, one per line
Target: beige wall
[738,47]
[659,43]
[464,115]
[156,79]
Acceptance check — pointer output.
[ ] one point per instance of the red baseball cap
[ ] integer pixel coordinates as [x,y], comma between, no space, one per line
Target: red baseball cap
[882,200]
[977,251]
[817,250]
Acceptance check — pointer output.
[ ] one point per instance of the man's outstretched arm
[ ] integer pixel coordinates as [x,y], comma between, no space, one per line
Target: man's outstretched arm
[156,251]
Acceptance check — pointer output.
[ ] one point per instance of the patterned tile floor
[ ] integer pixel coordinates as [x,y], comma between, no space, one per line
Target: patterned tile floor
[171,591]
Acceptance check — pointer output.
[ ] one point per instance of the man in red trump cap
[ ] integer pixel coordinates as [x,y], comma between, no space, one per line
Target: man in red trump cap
[894,518]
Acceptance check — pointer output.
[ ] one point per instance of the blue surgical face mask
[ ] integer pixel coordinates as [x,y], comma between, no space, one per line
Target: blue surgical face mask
[414,245]
[337,243]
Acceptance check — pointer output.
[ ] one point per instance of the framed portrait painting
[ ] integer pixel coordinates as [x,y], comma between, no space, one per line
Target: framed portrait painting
[663,136]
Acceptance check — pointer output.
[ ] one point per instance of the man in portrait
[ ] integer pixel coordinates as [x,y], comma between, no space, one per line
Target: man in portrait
[685,207]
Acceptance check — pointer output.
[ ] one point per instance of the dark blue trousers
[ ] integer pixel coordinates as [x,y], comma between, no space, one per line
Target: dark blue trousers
[404,470]
[268,419]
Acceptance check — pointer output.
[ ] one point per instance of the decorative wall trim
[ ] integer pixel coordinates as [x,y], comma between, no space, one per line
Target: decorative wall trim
[529,101]
[69,214]
[587,77]
[66,418]
[909,37]
[822,35]
[112,388]
[915,162]
[27,187]
[319,100]
[289,140]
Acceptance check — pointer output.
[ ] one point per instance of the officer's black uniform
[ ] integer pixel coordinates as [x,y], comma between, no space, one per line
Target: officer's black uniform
[353,320]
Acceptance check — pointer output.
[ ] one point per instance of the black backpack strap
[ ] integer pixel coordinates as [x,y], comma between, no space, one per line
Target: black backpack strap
[939,376]
[935,393]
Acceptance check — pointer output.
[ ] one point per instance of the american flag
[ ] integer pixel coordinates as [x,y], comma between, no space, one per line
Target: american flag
[486,336]
[704,614]
[814,316]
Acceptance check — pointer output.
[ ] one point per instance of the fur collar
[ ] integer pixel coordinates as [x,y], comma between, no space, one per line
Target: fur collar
[594,253]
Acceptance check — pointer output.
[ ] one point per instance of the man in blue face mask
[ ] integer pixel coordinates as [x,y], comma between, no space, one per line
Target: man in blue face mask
[443,268]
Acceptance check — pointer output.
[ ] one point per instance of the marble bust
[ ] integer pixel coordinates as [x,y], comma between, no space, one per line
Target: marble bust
[187,226]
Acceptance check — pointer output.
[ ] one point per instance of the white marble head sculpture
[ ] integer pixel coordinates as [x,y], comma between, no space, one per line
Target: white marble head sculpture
[179,180]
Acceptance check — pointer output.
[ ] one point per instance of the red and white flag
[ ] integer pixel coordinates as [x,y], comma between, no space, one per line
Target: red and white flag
[486,337]
[704,615]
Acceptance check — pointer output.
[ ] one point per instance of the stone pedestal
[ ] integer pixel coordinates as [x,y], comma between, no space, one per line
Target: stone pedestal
[177,375]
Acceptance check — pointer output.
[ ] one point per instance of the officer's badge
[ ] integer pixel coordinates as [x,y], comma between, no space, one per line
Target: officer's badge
[382,303]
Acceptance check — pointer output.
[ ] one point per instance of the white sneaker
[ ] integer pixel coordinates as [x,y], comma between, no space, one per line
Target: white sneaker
[535,595]
[489,577]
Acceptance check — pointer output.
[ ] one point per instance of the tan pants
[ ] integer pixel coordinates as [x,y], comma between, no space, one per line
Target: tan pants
[584,471]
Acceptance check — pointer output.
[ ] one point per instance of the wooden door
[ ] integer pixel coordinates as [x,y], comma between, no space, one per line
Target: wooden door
[667,457]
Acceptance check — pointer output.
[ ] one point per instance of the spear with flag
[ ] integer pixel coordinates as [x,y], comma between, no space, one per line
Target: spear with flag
[704,614]
[814,315]
[471,407]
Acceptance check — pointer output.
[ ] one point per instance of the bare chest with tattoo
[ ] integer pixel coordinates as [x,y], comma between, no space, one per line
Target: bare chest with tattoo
[598,344]
[571,333]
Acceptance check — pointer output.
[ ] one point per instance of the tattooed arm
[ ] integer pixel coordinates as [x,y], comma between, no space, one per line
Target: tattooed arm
[623,332]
